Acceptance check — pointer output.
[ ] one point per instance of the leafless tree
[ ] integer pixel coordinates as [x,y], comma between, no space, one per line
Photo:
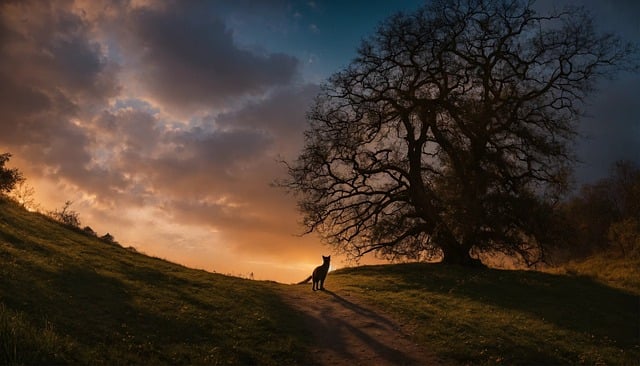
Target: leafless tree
[24,194]
[449,134]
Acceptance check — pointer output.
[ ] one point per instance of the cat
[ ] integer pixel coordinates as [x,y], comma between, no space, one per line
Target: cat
[319,275]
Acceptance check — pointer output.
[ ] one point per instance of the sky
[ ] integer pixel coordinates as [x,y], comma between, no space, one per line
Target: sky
[164,121]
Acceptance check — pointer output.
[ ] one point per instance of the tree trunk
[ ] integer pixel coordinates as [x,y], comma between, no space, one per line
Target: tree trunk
[459,254]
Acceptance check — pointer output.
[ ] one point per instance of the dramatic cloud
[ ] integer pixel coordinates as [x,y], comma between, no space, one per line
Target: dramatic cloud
[188,58]
[51,73]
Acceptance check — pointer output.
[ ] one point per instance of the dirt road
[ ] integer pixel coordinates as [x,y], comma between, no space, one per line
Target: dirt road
[347,332]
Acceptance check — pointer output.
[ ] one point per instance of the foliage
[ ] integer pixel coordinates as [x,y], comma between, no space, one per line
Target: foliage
[108,238]
[66,216]
[605,216]
[8,177]
[450,131]
[494,317]
[24,195]
[89,231]
[624,236]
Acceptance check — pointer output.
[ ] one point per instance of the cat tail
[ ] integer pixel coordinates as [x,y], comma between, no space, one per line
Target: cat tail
[305,281]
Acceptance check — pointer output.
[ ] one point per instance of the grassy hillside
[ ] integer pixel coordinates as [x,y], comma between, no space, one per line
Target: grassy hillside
[66,297]
[607,269]
[503,317]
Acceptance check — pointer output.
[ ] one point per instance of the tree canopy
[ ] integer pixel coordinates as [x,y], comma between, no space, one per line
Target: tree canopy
[450,132]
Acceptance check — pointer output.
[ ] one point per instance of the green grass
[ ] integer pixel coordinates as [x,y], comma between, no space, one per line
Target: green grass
[66,297]
[622,273]
[503,317]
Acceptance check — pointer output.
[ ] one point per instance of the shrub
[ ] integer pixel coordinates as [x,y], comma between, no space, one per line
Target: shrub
[65,215]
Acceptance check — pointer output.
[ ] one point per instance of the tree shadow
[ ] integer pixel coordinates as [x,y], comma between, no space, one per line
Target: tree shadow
[359,309]
[337,323]
[576,303]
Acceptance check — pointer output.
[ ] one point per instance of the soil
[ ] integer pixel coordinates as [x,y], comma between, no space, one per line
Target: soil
[346,331]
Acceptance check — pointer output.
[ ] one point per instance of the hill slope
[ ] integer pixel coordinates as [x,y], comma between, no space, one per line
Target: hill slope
[66,297]
[503,317]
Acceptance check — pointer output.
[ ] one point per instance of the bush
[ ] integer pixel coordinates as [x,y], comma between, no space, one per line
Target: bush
[605,216]
[65,215]
[625,237]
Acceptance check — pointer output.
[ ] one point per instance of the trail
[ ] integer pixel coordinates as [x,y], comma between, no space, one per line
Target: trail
[347,332]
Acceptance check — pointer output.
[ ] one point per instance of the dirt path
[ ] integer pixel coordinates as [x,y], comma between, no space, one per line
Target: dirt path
[347,332]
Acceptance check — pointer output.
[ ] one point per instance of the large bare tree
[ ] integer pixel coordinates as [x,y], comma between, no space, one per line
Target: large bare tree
[449,134]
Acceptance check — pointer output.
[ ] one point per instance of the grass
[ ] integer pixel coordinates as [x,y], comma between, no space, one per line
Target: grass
[69,298]
[504,317]
[66,297]
[622,273]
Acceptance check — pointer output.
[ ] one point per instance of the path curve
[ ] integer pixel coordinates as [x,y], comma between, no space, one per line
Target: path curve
[348,332]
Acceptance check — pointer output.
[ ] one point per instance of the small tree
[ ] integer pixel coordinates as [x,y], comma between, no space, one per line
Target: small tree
[8,177]
[24,194]
[449,133]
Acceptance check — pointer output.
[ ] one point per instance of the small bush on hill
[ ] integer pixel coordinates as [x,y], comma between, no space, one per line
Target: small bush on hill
[65,215]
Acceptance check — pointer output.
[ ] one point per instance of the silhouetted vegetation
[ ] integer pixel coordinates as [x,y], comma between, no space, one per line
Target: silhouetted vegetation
[24,194]
[65,215]
[450,132]
[89,231]
[108,238]
[9,177]
[605,216]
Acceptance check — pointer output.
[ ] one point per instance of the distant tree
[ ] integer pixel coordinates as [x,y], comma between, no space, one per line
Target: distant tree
[24,194]
[8,177]
[625,189]
[624,237]
[65,215]
[589,215]
[450,132]
[605,215]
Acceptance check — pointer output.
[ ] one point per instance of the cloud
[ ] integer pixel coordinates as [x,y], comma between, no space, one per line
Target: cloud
[51,74]
[187,58]
[282,115]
